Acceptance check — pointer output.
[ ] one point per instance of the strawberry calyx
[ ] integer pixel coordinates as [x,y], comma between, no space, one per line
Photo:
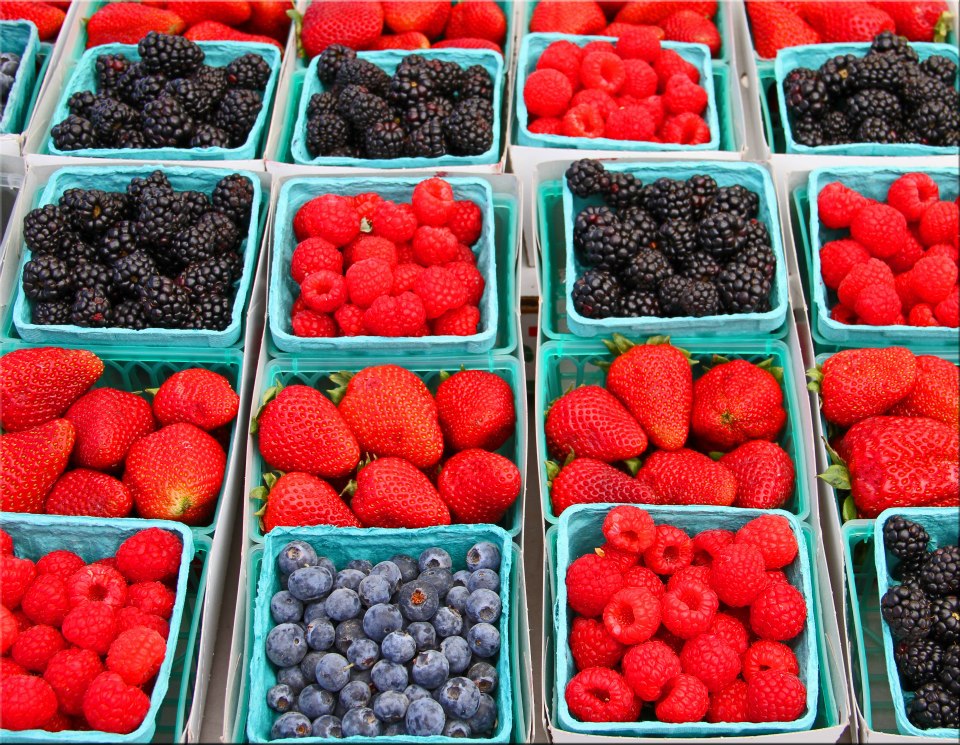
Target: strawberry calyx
[619,344]
[815,374]
[942,27]
[268,396]
[341,380]
[837,474]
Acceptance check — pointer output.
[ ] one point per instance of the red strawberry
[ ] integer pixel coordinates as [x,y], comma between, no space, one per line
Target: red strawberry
[86,492]
[764,474]
[775,27]
[127,23]
[687,477]
[475,410]
[215,31]
[198,396]
[565,17]
[654,11]
[848,21]
[479,486]
[107,423]
[37,385]
[858,383]
[691,27]
[918,21]
[478,19]
[408,40]
[31,462]
[588,481]
[426,16]
[936,393]
[352,24]
[393,493]
[591,423]
[230,12]
[467,43]
[298,499]
[44,16]
[269,17]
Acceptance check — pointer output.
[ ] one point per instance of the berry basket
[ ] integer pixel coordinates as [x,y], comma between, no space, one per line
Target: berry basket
[579,532]
[532,47]
[342,545]
[19,37]
[564,365]
[282,290]
[116,178]
[219,53]
[388,61]
[752,176]
[92,539]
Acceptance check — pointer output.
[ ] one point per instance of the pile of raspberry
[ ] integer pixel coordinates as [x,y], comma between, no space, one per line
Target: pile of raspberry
[81,644]
[633,90]
[898,266]
[679,629]
[368,266]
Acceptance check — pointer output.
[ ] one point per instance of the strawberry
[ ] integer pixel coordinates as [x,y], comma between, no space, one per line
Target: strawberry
[467,42]
[198,396]
[352,24]
[269,18]
[654,382]
[479,486]
[478,19]
[591,423]
[654,11]
[858,383]
[588,481]
[30,463]
[775,27]
[215,31]
[230,12]
[567,17]
[37,385]
[936,393]
[175,474]
[300,429]
[687,477]
[848,21]
[691,27]
[298,499]
[391,412]
[738,401]
[475,409]
[764,474]
[427,16]
[127,23]
[107,422]
[86,492]
[44,16]
[408,40]
[394,493]
[918,21]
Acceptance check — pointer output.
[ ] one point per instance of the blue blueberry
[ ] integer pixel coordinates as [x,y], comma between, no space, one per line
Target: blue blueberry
[459,697]
[434,558]
[327,726]
[413,692]
[457,652]
[323,561]
[424,718]
[390,572]
[280,697]
[310,583]
[291,724]
[419,600]
[440,578]
[347,633]
[333,672]
[296,555]
[361,565]
[423,634]
[349,578]
[483,555]
[342,605]
[363,653]
[360,723]
[484,675]
[409,569]
[373,590]
[389,676]
[355,695]
[315,612]
[308,665]
[292,676]
[460,578]
[483,722]
[286,645]
[484,578]
[447,622]
[456,728]
[283,579]
[320,634]
[399,647]
[483,606]
[457,599]
[285,608]
[484,640]
[315,702]
[394,729]
[380,620]
[430,669]
[390,706]
[361,675]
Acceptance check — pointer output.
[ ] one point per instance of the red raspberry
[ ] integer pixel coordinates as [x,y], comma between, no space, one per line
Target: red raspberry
[583,120]
[775,575]
[434,246]
[9,629]
[671,550]
[774,537]
[60,563]
[471,278]
[46,600]
[685,129]
[396,316]
[948,311]
[878,305]
[546,125]
[939,224]
[921,314]
[730,630]
[26,702]
[349,320]
[405,275]
[689,610]
[110,705]
[465,253]
[97,582]
[599,46]
[682,96]
[632,615]
[152,597]
[91,625]
[603,70]
[564,56]
[23,623]
[591,583]
[766,655]
[629,529]
[136,655]
[648,667]
[8,667]
[737,574]
[592,645]
[912,193]
[903,284]
[598,694]
[547,93]
[873,272]
[131,617]
[59,722]
[730,704]
[367,280]
[880,228]
[432,201]
[366,203]
[838,204]
[640,81]
[623,559]
[843,314]
[16,576]
[691,575]
[837,258]
[669,63]
[778,613]
[311,324]
[405,254]
[642,577]
[330,217]
[685,699]
[712,660]
[35,646]
[630,123]
[151,554]
[639,42]
[707,544]
[6,543]
[440,290]
[371,247]
[907,255]
[943,249]
[601,101]
[312,255]
[775,696]
[395,222]
[465,221]
[669,638]
[933,277]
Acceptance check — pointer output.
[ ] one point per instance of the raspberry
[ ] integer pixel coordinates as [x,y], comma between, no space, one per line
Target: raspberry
[6,543]
[778,613]
[465,221]
[943,249]
[775,696]
[46,600]
[395,222]
[69,673]
[939,224]
[712,660]
[365,204]
[601,101]
[921,314]
[625,560]
[312,324]
[152,597]
[136,655]
[330,217]
[35,646]
[838,204]
[469,275]
[774,537]
[131,617]
[642,577]
[591,583]
[872,272]
[91,625]
[843,314]
[599,46]
[547,93]
[629,529]
[16,576]
[880,229]
[685,699]
[632,615]
[366,281]
[8,667]
[639,42]
[648,667]
[110,705]
[9,629]
[60,563]
[312,255]
[630,123]
[434,246]
[691,575]
[349,319]
[564,56]
[737,574]
[670,639]
[685,129]
[903,284]
[59,722]
[669,63]
[26,703]
[730,704]
[432,202]
[911,194]
[440,290]
[465,253]
[671,550]
[948,311]
[729,629]
[682,96]
[775,575]
[907,255]
[151,554]
[583,120]
[592,645]
[837,258]
[96,582]
[932,278]
[324,291]
[640,81]
[602,70]
[767,655]
[707,544]
[546,125]
[405,275]
[396,316]
[689,610]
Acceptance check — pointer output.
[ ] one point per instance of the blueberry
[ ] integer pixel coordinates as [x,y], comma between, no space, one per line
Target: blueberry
[320,634]
[361,722]
[460,578]
[310,583]
[342,605]
[361,675]
[296,555]
[308,665]
[483,606]
[456,728]
[389,676]
[483,555]
[349,578]
[409,569]
[424,718]
[419,600]
[347,633]
[363,653]
[390,572]
[280,697]
[413,692]
[442,579]
[286,644]
[291,724]
[483,722]
[423,634]
[394,729]
[459,697]
[333,672]
[457,652]
[457,598]
[380,620]
[484,640]
[399,647]
[323,561]
[293,677]
[361,565]
[285,608]
[447,622]
[434,558]
[355,695]
[430,669]
[327,726]
[340,710]
[484,578]
[484,675]
[374,590]
[390,706]
[283,578]
[315,702]
[315,612]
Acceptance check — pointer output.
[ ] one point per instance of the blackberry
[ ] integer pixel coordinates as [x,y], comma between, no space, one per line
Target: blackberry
[836,128]
[131,272]
[936,123]
[644,227]
[214,275]
[166,123]
[736,199]
[808,131]
[623,190]
[678,239]
[77,251]
[588,218]
[330,61]
[213,79]
[174,56]
[46,229]
[248,71]
[127,82]
[872,102]
[835,74]
[646,270]
[719,234]
[225,234]
[425,111]
[138,185]
[365,73]
[96,275]
[194,243]
[668,199]
[700,266]
[448,77]
[326,132]
[81,101]
[875,129]
[918,662]
[798,75]
[206,135]
[933,707]
[410,86]
[109,68]
[194,96]
[887,42]
[911,567]
[362,109]
[109,116]
[754,233]
[671,294]
[130,139]
[596,294]
[321,103]
[211,312]
[91,308]
[385,140]
[807,96]
[92,211]
[586,177]
[878,71]
[50,314]
[759,256]
[129,315]
[744,289]
[427,140]
[608,246]
[347,151]
[704,189]
[165,304]
[468,134]
[238,113]
[73,133]
[413,60]
[233,196]
[196,204]
[907,612]
[148,88]
[476,83]
[941,574]
[904,538]
[638,303]
[940,68]
[701,299]
[160,215]
[950,670]
[47,278]
[946,619]
[475,107]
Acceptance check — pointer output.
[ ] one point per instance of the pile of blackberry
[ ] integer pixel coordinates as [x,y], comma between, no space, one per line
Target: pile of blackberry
[668,248]
[170,98]
[9,64]
[888,96]
[147,257]
[923,614]
[429,108]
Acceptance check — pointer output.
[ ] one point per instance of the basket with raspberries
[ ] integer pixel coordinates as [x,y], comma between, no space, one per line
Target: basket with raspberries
[918,569]
[683,249]
[673,622]
[383,633]
[383,264]
[892,420]
[167,97]
[89,621]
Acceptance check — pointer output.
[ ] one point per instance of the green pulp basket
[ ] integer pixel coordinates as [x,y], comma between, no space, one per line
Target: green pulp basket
[20,38]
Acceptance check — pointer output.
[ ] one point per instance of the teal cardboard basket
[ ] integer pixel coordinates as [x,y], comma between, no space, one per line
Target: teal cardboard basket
[754,177]
[283,290]
[93,539]
[19,37]
[344,544]
[872,182]
[814,55]
[116,178]
[532,47]
[580,532]
[388,61]
[218,54]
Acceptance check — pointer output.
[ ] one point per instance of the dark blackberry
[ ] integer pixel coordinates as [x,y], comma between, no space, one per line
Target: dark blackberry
[362,109]
[427,140]
[127,82]
[160,216]
[165,304]
[678,239]
[701,299]
[736,199]
[907,612]
[213,79]
[385,140]
[78,251]
[425,111]
[608,246]
[91,308]
[206,135]
[754,233]
[623,190]
[131,272]
[719,234]
[872,102]
[248,71]
[233,196]
[904,538]
[109,68]
[933,707]
[798,75]
[321,103]
[50,314]
[347,151]
[194,96]
[808,131]
[81,101]
[875,129]
[211,312]
[836,128]
[130,139]
[46,229]
[887,42]
[129,315]
[238,113]
[174,56]
[759,256]
[166,123]
[704,189]
[950,670]
[939,67]
[671,293]
[475,107]
[941,574]
[410,86]
[226,235]
[918,662]
[588,218]
[330,61]
[194,243]
[413,60]
[148,88]
[138,184]
[73,133]
[922,88]
[946,619]
[700,266]
[92,211]
[878,71]
[109,116]
[46,277]
[94,274]
[476,83]
[744,289]
[365,73]
[668,199]
[326,132]
[596,294]
[806,97]
[936,123]
[468,134]
[195,204]
[119,240]
[646,270]
[911,567]
[586,177]
[638,303]
[644,227]
[448,77]
[214,275]
[835,74]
